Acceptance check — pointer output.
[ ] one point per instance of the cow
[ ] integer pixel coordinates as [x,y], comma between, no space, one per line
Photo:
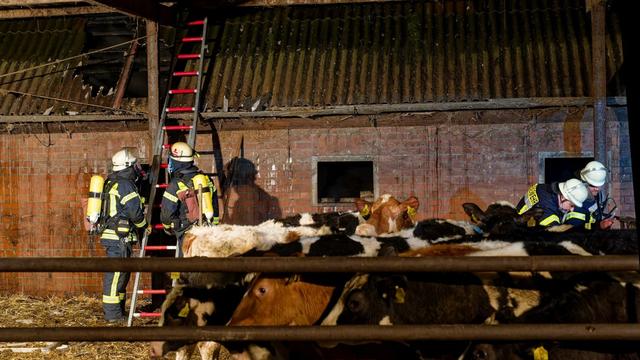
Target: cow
[308,234]
[385,215]
[501,222]
[500,298]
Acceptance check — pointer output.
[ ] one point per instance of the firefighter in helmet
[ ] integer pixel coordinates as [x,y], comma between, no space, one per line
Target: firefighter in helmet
[592,211]
[557,200]
[175,214]
[124,215]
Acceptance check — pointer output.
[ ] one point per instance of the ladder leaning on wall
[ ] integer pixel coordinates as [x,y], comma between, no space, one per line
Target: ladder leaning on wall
[191,65]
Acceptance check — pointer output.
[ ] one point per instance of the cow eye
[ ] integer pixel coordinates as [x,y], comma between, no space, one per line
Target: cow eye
[479,354]
[262,290]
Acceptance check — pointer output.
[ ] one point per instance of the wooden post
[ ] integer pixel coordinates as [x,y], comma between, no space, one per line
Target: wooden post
[125,75]
[599,74]
[153,89]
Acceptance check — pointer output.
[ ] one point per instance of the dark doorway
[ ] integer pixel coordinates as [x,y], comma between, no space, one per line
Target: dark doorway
[563,168]
[344,181]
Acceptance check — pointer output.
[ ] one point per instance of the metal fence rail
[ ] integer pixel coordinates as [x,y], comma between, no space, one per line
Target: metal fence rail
[510,332]
[319,264]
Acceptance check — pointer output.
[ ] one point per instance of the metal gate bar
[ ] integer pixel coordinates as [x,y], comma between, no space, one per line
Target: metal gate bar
[511,332]
[319,264]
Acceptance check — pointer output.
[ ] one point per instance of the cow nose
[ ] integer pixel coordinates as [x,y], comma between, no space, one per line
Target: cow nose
[156,349]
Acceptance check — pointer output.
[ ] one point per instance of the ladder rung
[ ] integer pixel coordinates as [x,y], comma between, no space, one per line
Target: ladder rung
[158,226]
[185,73]
[162,186]
[166,146]
[177,127]
[195,23]
[160,247]
[164,166]
[192,39]
[151,291]
[188,56]
[183,91]
[157,206]
[181,109]
[146,314]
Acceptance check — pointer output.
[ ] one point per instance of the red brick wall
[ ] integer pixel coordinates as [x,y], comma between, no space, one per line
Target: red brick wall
[469,156]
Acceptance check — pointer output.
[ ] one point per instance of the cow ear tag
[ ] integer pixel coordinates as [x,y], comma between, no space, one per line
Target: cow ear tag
[411,212]
[399,296]
[184,312]
[365,210]
[540,353]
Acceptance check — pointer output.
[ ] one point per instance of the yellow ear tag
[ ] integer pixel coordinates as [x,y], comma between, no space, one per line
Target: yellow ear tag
[474,218]
[175,275]
[184,312]
[531,222]
[365,210]
[540,353]
[399,297]
[411,212]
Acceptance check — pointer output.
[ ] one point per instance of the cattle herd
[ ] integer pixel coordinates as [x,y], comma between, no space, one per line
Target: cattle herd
[387,228]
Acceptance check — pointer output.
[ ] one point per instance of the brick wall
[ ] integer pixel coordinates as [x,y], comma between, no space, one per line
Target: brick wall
[454,158]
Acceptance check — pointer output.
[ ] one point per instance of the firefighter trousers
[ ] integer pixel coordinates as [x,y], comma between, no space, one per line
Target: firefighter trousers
[114,284]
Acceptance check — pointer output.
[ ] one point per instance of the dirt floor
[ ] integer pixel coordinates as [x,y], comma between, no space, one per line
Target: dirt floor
[28,311]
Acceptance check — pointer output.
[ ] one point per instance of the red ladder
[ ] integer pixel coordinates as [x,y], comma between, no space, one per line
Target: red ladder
[161,143]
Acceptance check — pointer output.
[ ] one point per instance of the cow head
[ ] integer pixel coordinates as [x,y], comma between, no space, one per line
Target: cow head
[501,218]
[386,215]
[282,300]
[373,303]
[194,306]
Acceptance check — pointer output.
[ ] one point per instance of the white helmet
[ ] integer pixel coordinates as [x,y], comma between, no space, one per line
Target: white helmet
[594,173]
[181,151]
[574,190]
[123,159]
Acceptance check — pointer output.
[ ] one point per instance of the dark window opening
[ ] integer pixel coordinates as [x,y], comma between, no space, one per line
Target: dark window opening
[563,168]
[344,181]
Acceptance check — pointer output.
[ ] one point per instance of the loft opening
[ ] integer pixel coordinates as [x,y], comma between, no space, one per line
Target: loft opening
[563,168]
[344,181]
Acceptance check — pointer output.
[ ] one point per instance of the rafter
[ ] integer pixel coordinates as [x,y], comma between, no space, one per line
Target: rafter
[37,2]
[147,9]
[45,12]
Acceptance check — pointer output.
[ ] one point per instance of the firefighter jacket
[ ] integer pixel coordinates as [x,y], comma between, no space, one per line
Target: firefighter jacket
[544,196]
[123,206]
[174,213]
[589,214]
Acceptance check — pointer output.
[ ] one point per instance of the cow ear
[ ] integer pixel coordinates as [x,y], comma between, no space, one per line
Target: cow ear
[412,201]
[531,217]
[475,214]
[363,206]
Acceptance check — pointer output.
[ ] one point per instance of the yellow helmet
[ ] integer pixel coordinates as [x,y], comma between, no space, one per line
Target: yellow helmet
[181,151]
[574,190]
[594,173]
[123,159]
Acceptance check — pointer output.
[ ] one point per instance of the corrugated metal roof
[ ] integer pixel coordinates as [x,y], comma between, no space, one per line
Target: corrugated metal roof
[33,42]
[411,52]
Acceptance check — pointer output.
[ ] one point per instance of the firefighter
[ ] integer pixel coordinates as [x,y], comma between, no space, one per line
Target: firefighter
[557,200]
[174,213]
[594,175]
[124,215]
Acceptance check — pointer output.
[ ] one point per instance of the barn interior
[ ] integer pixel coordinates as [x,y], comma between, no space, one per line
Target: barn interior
[305,106]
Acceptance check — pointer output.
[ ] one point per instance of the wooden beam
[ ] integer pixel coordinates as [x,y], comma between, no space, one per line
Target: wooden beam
[123,81]
[599,75]
[273,3]
[16,119]
[44,12]
[376,109]
[148,9]
[153,83]
[37,2]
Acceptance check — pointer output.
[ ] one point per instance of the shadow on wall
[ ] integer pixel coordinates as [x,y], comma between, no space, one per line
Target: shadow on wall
[246,203]
[461,196]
